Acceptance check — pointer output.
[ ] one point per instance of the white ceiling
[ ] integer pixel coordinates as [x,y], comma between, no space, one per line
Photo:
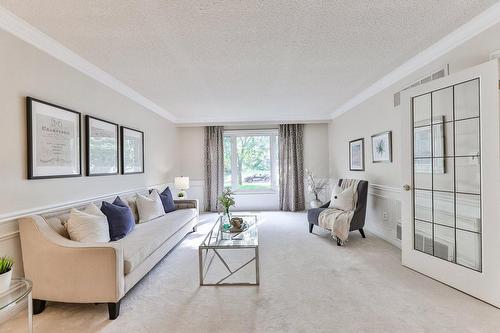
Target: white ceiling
[223,60]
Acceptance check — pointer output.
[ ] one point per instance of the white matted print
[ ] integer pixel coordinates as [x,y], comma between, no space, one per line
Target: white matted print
[53,140]
[357,155]
[102,147]
[132,144]
[382,147]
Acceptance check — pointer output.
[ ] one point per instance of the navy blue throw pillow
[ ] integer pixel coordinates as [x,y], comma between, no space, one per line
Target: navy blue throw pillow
[120,218]
[167,200]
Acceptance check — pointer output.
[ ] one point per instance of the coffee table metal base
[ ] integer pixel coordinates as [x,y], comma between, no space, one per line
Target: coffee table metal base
[204,253]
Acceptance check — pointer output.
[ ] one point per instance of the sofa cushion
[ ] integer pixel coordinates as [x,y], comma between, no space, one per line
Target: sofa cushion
[146,238]
[167,200]
[58,226]
[120,218]
[88,226]
[132,204]
[149,207]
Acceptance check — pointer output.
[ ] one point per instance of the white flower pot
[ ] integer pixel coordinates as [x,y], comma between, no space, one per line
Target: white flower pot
[5,281]
[315,203]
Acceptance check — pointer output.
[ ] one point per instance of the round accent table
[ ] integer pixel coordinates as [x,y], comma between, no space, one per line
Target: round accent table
[18,292]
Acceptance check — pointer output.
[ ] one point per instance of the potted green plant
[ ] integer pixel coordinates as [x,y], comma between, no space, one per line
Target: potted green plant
[6,264]
[227,201]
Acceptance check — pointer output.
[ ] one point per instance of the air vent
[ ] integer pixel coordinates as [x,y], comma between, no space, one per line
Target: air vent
[428,78]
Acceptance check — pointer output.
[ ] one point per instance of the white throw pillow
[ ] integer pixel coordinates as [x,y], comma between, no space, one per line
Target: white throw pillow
[149,207]
[88,226]
[342,199]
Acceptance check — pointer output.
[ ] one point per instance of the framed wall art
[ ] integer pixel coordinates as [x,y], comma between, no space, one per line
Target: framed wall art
[54,140]
[382,147]
[132,150]
[357,155]
[101,147]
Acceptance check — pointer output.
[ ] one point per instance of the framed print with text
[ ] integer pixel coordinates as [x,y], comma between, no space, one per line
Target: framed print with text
[357,155]
[54,140]
[132,150]
[101,147]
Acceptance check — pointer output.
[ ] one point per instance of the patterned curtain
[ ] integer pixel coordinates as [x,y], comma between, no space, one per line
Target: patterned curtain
[291,167]
[214,166]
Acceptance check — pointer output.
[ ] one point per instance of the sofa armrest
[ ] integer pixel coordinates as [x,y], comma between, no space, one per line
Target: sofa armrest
[186,203]
[68,271]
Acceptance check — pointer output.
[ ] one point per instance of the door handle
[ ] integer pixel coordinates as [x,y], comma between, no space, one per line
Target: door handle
[406,187]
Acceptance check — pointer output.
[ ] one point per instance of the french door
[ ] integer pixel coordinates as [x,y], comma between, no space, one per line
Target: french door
[451,174]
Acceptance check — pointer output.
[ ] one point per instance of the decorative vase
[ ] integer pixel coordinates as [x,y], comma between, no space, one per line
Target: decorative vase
[315,203]
[5,281]
[226,220]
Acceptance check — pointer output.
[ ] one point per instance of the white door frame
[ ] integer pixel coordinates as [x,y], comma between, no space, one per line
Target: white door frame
[484,285]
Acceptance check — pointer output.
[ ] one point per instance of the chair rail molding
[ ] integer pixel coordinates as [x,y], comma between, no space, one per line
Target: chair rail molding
[7,217]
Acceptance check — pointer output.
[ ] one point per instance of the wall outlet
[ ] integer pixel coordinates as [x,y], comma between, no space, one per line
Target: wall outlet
[385,216]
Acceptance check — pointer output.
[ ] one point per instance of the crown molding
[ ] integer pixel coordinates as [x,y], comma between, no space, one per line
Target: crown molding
[476,25]
[26,32]
[245,120]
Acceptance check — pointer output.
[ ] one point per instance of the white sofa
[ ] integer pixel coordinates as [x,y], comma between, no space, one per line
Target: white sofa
[63,270]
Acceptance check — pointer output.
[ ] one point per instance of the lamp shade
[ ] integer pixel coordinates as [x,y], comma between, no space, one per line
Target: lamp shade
[181,183]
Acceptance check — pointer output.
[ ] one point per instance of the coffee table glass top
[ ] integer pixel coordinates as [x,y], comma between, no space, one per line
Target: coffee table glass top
[18,289]
[247,238]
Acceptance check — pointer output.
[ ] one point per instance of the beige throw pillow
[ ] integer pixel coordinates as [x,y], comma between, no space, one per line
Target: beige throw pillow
[342,199]
[149,207]
[88,226]
[132,204]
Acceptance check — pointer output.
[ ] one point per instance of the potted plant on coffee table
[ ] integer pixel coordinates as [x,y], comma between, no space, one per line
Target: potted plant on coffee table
[6,264]
[227,201]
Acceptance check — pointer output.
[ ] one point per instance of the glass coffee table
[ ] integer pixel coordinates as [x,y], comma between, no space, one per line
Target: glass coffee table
[18,292]
[216,243]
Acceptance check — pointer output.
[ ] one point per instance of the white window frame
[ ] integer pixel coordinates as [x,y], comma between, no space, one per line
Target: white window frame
[273,134]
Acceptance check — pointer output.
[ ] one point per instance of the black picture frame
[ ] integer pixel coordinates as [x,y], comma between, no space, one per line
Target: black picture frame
[88,172]
[389,143]
[32,174]
[362,141]
[123,129]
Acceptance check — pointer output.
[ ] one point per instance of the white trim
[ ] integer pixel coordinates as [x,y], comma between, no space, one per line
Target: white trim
[478,24]
[23,30]
[9,235]
[45,209]
[253,120]
[393,241]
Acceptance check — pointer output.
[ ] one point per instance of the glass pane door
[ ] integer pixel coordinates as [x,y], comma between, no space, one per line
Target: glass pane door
[447,174]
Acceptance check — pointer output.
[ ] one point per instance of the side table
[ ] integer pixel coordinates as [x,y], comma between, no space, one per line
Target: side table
[18,292]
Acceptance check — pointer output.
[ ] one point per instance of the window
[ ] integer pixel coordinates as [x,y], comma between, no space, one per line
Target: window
[251,160]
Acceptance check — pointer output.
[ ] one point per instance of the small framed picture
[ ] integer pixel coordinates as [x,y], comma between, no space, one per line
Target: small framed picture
[54,146]
[382,147]
[101,147]
[357,155]
[132,150]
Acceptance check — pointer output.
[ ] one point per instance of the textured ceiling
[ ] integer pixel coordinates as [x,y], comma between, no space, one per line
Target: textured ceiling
[247,60]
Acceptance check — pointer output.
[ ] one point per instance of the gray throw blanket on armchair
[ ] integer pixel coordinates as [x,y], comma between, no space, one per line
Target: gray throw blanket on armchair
[339,221]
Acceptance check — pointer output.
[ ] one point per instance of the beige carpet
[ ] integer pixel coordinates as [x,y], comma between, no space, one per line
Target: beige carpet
[308,284]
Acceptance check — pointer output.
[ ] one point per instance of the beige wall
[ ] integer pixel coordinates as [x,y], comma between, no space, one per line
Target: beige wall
[378,114]
[191,161]
[26,71]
